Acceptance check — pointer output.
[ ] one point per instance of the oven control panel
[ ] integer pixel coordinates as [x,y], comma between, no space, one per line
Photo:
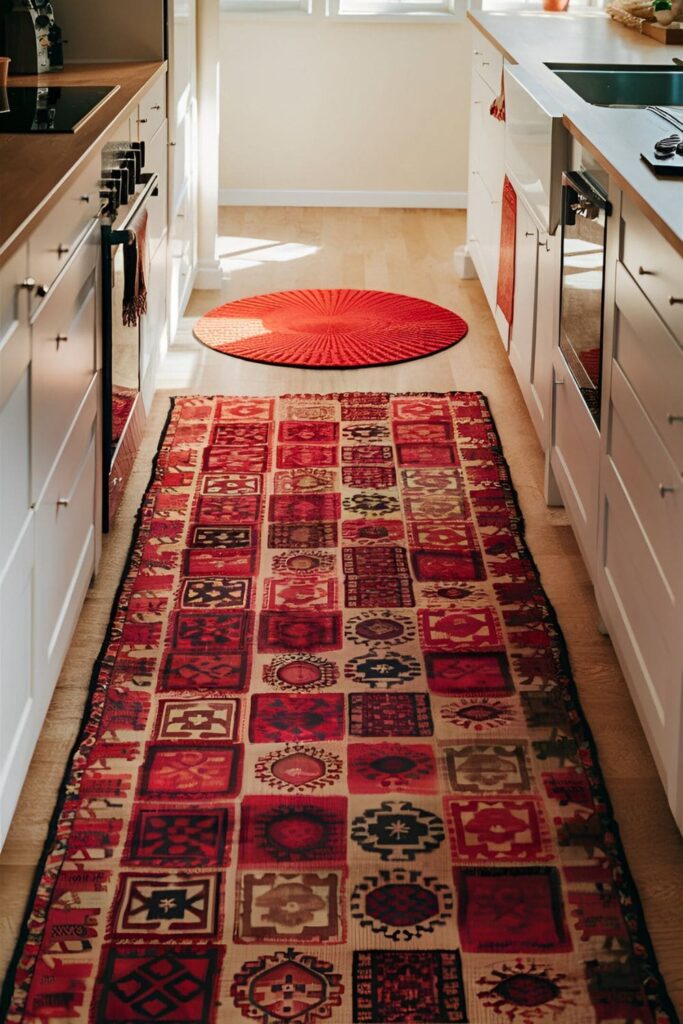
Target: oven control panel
[122,173]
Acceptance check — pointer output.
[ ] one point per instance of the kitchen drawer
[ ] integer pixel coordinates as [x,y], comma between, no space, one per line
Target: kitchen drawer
[652,362]
[655,265]
[649,479]
[644,624]
[156,156]
[152,112]
[19,723]
[65,545]
[575,458]
[56,238]
[483,232]
[488,157]
[487,61]
[62,370]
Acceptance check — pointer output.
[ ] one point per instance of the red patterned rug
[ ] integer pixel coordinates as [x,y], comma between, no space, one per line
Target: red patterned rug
[333,767]
[330,328]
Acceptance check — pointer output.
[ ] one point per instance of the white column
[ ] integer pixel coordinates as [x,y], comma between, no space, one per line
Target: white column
[208,95]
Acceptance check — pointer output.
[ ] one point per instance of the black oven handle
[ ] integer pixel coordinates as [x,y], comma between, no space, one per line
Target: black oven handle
[111,237]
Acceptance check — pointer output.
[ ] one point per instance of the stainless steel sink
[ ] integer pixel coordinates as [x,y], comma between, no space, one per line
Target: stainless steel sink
[624,85]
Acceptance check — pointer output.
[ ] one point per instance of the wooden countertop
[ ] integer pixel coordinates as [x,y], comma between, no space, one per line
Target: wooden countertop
[35,169]
[614,136]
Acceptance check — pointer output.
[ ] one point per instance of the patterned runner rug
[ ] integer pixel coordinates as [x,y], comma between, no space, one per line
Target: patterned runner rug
[333,767]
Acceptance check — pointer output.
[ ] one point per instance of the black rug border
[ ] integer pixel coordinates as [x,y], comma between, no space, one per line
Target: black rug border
[649,965]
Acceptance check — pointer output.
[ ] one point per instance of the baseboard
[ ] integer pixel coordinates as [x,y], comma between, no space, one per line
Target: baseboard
[323,197]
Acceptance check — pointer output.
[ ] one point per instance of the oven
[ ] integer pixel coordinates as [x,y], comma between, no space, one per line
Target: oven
[586,210]
[128,192]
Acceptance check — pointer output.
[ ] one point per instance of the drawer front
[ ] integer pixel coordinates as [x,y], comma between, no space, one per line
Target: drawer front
[19,722]
[642,622]
[487,61]
[62,370]
[152,111]
[574,457]
[55,239]
[157,206]
[650,481]
[655,265]
[12,274]
[651,361]
[65,545]
[483,231]
[489,160]
[15,462]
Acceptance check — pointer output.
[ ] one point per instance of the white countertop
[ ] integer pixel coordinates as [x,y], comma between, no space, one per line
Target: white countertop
[616,137]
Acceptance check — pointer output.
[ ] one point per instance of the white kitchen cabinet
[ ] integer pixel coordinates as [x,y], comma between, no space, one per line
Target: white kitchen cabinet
[523,329]
[540,393]
[639,573]
[182,128]
[486,171]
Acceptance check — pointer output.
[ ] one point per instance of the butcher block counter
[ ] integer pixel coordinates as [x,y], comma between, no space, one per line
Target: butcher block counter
[36,169]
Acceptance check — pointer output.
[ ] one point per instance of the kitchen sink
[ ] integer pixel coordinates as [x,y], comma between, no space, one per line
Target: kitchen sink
[624,85]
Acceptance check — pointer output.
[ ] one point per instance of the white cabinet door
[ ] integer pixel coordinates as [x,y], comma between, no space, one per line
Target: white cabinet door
[575,458]
[523,331]
[545,339]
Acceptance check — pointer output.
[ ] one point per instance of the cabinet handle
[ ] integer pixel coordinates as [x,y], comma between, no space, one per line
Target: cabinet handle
[85,198]
[62,250]
[173,143]
[42,290]
[486,63]
[674,301]
[142,120]
[642,271]
[28,283]
[664,490]
[157,106]
[476,103]
[529,234]
[477,53]
[62,502]
[544,245]
[61,338]
[672,418]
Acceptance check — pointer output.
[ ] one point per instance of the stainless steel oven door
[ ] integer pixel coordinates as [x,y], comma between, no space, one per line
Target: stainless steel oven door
[584,234]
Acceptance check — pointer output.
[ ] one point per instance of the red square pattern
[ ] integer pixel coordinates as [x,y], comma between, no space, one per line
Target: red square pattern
[304,508]
[283,631]
[490,829]
[293,830]
[413,431]
[296,456]
[250,458]
[308,432]
[391,768]
[474,672]
[296,719]
[454,629]
[211,631]
[185,771]
[427,454]
[447,566]
[218,671]
[240,562]
[508,911]
[309,592]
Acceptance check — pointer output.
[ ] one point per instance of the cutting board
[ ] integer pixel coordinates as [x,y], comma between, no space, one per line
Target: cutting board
[671,34]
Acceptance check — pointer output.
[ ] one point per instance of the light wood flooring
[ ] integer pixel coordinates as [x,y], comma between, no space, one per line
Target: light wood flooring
[406,251]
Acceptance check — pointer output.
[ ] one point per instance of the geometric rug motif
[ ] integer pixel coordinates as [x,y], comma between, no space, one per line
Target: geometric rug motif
[333,768]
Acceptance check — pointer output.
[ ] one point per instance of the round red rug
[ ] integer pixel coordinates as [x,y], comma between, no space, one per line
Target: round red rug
[330,328]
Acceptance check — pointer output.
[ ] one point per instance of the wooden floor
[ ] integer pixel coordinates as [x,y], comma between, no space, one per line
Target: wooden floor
[405,251]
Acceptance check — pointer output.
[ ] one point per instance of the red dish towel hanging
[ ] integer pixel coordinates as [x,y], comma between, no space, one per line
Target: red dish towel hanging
[506,266]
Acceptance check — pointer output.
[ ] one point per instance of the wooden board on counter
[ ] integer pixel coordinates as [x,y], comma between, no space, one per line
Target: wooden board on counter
[670,34]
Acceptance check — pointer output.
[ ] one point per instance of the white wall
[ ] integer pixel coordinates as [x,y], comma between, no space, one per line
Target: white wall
[322,106]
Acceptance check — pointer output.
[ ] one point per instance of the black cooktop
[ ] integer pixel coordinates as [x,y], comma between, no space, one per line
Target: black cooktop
[49,108]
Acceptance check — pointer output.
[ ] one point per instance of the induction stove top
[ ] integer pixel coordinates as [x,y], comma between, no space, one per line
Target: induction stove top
[26,109]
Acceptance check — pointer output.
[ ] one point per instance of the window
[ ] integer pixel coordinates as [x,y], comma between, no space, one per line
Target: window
[403,9]
[266,6]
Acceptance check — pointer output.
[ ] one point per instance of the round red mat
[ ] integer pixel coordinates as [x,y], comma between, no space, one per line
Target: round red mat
[330,328]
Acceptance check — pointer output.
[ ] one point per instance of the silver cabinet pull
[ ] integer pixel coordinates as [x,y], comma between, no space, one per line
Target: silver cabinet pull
[664,490]
[85,198]
[62,250]
[61,338]
[157,106]
[28,283]
[544,245]
[674,301]
[672,418]
[642,271]
[142,120]
[62,502]
[529,234]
